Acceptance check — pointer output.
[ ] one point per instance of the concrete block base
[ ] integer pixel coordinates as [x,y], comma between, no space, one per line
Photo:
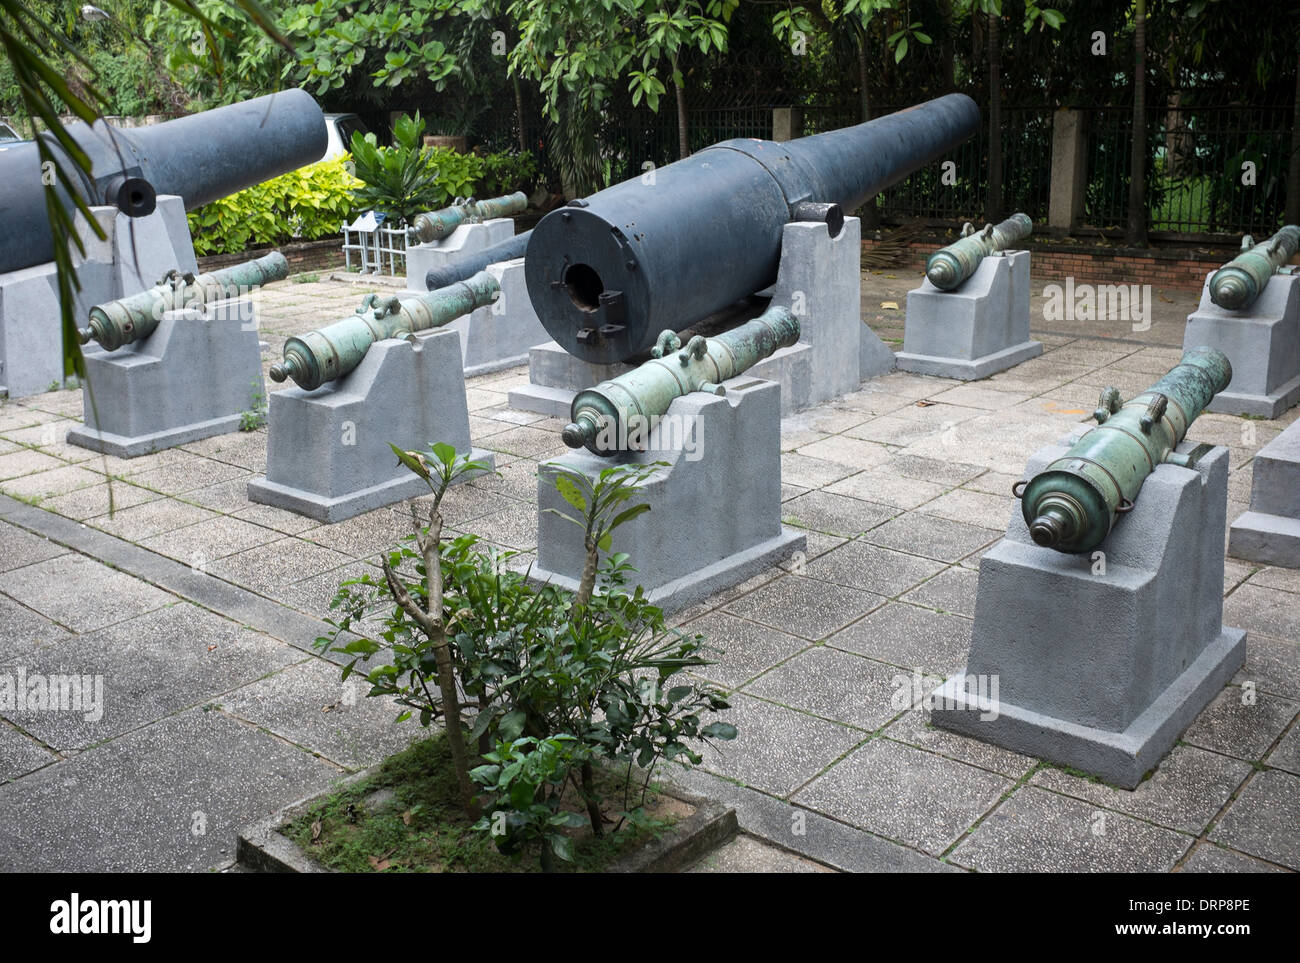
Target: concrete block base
[1101,660]
[819,279]
[715,510]
[466,239]
[976,331]
[134,255]
[328,454]
[1270,532]
[500,335]
[1119,758]
[1263,344]
[193,378]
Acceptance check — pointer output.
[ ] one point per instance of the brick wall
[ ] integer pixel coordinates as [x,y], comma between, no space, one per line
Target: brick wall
[303,256]
[1181,269]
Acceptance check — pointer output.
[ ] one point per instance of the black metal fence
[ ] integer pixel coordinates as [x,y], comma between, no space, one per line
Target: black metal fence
[1212,170]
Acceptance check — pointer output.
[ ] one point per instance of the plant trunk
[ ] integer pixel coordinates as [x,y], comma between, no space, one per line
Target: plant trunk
[1293,165]
[519,113]
[683,138]
[1137,214]
[587,584]
[947,50]
[589,796]
[548,857]
[446,673]
[994,201]
[870,211]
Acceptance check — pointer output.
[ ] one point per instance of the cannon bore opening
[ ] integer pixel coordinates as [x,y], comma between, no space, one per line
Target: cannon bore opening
[584,286]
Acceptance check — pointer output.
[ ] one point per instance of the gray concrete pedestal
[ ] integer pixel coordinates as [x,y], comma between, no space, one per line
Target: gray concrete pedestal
[133,256]
[819,279]
[976,331]
[1263,344]
[1100,661]
[1270,532]
[328,454]
[193,378]
[715,511]
[499,335]
[466,239]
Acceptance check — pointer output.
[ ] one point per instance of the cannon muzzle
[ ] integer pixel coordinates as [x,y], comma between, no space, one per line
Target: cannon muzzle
[1236,285]
[1072,505]
[331,352]
[950,267]
[201,157]
[665,249]
[619,414]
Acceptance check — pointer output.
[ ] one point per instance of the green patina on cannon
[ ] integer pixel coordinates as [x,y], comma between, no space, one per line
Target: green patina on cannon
[949,267]
[331,352]
[618,414]
[435,225]
[1072,505]
[134,318]
[1237,284]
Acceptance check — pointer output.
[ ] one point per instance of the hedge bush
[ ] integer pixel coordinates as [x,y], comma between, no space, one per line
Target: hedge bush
[303,205]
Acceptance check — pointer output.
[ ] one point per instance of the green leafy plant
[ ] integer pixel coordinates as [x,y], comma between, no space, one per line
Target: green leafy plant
[402,180]
[507,172]
[305,204]
[581,678]
[255,417]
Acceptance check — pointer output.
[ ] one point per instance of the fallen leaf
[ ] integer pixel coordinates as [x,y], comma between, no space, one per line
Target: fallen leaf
[889,305]
[212,647]
[406,818]
[925,404]
[380,863]
[315,831]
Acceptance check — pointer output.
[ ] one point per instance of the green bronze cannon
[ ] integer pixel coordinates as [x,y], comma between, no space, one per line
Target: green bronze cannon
[605,417]
[949,267]
[435,225]
[1237,284]
[331,352]
[1072,505]
[134,318]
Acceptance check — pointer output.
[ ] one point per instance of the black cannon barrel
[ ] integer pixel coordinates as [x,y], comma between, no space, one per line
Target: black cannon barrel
[201,157]
[608,273]
[467,265]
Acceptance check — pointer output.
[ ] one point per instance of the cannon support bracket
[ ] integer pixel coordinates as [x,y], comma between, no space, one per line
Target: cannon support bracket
[193,378]
[1102,660]
[715,517]
[1263,344]
[499,335]
[328,454]
[819,279]
[975,331]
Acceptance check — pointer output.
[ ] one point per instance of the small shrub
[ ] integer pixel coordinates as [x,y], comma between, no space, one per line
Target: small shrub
[302,205]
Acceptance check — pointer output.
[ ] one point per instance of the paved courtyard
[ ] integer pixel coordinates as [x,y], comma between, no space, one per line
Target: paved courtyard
[198,609]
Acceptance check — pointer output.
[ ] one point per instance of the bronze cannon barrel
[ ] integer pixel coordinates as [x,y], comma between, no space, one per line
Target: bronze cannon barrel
[329,353]
[134,318]
[1072,505]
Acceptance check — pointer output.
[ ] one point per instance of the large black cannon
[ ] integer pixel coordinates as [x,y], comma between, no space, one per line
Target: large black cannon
[608,273]
[201,157]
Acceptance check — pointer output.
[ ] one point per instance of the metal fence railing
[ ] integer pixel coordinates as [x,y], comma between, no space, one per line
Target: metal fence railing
[1197,183]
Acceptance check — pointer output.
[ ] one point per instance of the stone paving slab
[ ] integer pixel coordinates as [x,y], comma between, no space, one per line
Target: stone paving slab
[167,798]
[747,854]
[905,794]
[901,486]
[1036,830]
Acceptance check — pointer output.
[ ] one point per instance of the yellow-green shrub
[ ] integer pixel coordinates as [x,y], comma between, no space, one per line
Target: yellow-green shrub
[303,205]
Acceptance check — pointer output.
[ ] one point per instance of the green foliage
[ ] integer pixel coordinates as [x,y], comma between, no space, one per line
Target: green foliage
[255,417]
[401,180]
[559,684]
[456,175]
[507,172]
[303,205]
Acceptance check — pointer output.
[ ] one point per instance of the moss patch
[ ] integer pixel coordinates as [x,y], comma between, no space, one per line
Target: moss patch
[406,818]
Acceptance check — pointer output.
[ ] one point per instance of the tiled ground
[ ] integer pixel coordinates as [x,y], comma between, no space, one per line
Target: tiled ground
[199,608]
